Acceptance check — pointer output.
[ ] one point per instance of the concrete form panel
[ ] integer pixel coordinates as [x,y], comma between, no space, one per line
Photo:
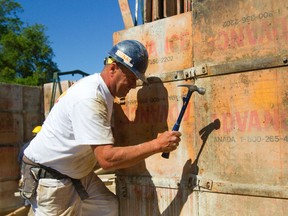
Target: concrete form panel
[149,111]
[250,147]
[233,153]
[240,30]
[9,166]
[168,42]
[223,204]
[8,200]
[20,111]
[11,127]
[32,99]
[147,196]
[11,97]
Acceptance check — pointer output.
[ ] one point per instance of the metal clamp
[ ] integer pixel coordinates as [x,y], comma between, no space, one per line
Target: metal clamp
[197,182]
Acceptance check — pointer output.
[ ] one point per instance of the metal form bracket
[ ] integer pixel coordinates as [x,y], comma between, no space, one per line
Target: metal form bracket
[186,74]
[196,182]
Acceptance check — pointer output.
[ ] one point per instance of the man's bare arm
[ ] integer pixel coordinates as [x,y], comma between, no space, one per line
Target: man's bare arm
[111,157]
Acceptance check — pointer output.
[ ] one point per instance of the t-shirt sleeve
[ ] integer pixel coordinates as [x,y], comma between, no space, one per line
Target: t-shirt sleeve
[90,122]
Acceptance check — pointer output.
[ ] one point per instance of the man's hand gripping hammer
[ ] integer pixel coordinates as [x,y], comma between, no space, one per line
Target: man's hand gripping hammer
[191,89]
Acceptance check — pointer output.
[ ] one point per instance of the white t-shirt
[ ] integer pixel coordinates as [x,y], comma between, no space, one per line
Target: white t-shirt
[80,118]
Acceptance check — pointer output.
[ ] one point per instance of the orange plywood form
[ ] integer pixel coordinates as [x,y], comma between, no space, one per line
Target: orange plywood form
[232,158]
[234,142]
[168,42]
[150,110]
[250,147]
[242,30]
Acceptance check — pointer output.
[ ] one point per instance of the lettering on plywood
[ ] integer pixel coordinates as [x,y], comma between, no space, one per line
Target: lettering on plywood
[164,52]
[253,121]
[237,33]
[271,123]
[252,139]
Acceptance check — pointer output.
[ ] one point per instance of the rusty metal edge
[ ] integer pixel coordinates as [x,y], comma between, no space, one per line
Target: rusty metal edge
[200,184]
[252,64]
[221,69]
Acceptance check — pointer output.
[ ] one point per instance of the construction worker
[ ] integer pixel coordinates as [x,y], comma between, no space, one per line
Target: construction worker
[77,134]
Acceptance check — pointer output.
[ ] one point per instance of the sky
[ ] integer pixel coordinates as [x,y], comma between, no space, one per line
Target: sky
[80,31]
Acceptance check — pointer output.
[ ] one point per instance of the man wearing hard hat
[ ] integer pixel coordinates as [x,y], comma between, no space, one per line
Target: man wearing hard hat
[77,134]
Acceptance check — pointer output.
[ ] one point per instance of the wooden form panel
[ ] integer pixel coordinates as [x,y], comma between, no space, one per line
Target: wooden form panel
[250,147]
[8,201]
[235,136]
[146,196]
[11,97]
[149,111]
[9,167]
[11,128]
[168,42]
[20,111]
[223,204]
[246,30]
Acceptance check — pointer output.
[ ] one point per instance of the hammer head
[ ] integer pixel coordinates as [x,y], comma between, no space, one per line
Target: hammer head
[193,88]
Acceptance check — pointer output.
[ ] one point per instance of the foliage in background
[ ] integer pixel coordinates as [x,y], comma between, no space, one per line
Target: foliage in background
[25,51]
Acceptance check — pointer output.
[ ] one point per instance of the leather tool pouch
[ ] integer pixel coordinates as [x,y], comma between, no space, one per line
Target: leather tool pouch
[30,181]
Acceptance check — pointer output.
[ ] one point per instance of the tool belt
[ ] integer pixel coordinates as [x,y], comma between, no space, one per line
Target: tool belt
[40,171]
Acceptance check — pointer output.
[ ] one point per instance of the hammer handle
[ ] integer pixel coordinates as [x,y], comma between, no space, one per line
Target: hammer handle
[175,128]
[179,119]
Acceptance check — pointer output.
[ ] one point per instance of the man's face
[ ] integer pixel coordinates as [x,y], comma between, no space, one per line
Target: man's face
[126,80]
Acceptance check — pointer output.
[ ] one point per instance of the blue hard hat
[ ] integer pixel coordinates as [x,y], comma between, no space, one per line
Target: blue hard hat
[133,55]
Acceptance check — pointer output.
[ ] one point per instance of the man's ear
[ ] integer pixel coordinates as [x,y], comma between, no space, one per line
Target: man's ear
[113,67]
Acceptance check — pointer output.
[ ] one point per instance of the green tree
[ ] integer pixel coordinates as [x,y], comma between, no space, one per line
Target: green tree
[25,52]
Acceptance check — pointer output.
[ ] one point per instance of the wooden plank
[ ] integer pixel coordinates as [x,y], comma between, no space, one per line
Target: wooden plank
[169,8]
[21,108]
[180,6]
[147,11]
[157,10]
[126,13]
[251,108]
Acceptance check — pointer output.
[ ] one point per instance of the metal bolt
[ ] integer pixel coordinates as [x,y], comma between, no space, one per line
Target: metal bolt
[203,70]
[285,60]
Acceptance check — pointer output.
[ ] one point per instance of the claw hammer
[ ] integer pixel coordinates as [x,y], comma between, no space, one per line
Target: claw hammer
[191,89]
